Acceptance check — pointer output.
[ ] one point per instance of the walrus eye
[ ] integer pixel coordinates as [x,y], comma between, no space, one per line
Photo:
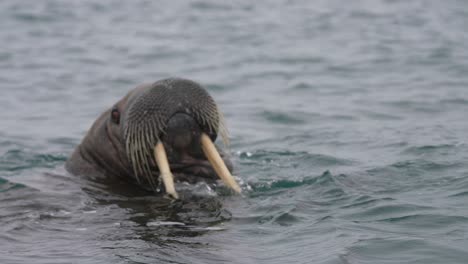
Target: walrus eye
[115,116]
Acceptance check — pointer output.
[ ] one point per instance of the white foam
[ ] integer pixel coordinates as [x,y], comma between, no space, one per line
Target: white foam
[164,223]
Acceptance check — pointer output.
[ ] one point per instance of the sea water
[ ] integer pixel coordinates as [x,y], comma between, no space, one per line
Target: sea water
[348,125]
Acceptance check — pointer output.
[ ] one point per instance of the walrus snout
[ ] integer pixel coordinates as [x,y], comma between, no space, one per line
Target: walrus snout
[183,139]
[182,142]
[182,132]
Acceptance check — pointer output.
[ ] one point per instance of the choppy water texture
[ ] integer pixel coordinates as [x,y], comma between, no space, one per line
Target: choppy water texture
[348,125]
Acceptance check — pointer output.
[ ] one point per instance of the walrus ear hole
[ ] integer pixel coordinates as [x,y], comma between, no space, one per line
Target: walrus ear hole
[115,116]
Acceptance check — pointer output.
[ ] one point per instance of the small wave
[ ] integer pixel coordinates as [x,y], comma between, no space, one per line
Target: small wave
[31,17]
[283,117]
[17,160]
[423,165]
[380,116]
[35,14]
[293,156]
[383,212]
[455,101]
[427,220]
[323,179]
[306,59]
[216,87]
[408,170]
[6,185]
[366,200]
[302,86]
[459,194]
[206,6]
[402,250]
[414,106]
[279,218]
[430,149]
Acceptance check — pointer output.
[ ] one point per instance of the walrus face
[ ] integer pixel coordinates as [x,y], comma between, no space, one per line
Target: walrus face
[162,132]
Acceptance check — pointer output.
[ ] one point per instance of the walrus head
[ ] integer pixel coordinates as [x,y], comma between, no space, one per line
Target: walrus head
[156,133]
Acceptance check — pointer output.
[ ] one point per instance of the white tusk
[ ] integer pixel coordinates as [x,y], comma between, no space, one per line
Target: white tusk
[165,172]
[217,162]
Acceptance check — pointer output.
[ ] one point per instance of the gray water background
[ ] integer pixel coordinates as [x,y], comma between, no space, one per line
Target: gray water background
[347,119]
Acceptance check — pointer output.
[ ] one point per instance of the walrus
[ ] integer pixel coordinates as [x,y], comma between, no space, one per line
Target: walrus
[157,134]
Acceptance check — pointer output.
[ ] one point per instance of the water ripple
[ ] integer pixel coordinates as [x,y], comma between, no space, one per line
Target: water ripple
[17,160]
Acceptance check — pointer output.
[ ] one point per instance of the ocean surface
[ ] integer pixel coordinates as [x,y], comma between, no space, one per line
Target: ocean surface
[348,124]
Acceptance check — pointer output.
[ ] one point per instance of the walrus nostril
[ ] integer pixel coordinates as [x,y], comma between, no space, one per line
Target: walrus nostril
[181,131]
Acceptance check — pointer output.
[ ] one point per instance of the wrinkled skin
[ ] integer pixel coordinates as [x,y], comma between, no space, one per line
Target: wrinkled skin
[178,105]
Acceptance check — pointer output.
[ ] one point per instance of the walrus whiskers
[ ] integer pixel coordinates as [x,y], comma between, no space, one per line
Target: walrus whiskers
[141,137]
[131,151]
[144,130]
[145,141]
[218,164]
[222,130]
[165,172]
